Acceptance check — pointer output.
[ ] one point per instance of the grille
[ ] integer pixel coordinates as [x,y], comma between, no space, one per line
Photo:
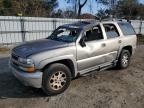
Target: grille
[14,57]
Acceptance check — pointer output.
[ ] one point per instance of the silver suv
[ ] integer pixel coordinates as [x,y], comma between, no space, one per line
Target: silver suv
[72,50]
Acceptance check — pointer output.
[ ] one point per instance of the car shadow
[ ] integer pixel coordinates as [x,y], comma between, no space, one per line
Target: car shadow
[10,87]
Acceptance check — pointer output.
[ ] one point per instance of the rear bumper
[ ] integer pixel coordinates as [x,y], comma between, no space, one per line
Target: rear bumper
[28,79]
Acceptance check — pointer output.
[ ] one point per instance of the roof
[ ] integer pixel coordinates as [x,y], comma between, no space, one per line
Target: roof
[81,24]
[85,24]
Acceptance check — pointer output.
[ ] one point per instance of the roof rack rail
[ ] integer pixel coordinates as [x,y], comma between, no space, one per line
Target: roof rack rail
[113,19]
[86,22]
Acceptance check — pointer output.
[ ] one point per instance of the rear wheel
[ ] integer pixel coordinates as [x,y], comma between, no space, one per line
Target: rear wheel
[124,59]
[56,79]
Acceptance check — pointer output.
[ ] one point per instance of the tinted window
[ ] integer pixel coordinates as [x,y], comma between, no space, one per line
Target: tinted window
[111,31]
[94,34]
[127,29]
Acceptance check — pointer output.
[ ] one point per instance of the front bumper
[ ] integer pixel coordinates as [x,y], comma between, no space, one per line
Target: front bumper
[28,79]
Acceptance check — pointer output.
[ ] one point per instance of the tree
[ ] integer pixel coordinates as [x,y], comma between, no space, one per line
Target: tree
[78,5]
[128,8]
[141,11]
[68,14]
[111,6]
[5,4]
[105,2]
[27,7]
[57,14]
[101,14]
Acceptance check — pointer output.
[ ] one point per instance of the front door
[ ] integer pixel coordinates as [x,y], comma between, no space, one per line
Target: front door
[93,53]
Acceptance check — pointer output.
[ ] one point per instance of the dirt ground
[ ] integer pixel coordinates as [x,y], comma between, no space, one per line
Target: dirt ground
[107,89]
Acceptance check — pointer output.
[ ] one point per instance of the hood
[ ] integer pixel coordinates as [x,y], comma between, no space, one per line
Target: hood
[33,47]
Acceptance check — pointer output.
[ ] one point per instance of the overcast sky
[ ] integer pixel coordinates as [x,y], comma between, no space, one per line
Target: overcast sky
[86,9]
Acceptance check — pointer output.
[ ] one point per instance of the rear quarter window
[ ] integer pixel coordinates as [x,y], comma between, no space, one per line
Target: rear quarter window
[127,28]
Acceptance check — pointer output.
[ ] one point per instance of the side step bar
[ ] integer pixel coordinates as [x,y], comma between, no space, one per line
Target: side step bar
[101,68]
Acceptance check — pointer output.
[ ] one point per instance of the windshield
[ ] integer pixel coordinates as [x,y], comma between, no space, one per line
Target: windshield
[65,34]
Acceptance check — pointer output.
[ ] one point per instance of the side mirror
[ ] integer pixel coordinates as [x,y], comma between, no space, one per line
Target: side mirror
[82,42]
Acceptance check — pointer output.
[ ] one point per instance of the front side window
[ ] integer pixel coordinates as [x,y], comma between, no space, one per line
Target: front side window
[127,29]
[111,31]
[65,34]
[95,33]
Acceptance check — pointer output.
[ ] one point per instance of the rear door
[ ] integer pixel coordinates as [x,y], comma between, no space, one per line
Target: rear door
[113,42]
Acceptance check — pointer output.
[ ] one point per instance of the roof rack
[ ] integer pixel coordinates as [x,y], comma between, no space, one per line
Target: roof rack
[82,23]
[113,19]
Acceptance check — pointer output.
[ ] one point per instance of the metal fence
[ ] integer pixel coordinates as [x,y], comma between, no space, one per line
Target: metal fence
[20,29]
[138,26]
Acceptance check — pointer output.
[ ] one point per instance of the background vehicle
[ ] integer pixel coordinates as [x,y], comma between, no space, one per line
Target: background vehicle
[71,50]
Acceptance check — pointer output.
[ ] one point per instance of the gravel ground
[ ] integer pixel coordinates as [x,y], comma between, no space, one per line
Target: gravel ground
[107,89]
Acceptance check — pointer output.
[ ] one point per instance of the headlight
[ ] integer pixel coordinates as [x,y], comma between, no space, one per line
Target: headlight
[29,62]
[25,61]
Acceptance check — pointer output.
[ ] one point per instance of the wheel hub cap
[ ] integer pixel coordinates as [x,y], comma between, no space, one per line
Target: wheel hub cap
[125,59]
[57,80]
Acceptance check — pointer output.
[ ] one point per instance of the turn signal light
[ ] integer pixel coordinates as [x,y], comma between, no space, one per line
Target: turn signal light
[30,69]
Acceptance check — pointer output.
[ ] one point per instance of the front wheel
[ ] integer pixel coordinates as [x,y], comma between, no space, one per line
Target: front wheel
[124,59]
[56,79]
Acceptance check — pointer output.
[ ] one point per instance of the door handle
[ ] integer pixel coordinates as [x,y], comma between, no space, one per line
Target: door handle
[120,41]
[103,45]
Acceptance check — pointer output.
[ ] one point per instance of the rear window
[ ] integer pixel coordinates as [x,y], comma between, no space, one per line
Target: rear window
[127,29]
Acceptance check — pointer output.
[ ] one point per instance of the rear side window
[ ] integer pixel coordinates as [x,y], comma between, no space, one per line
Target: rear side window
[111,31]
[127,29]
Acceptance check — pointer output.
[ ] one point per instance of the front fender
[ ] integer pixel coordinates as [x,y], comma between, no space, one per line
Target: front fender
[44,62]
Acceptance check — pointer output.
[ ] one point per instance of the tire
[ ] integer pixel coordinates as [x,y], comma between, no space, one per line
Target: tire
[56,79]
[124,59]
